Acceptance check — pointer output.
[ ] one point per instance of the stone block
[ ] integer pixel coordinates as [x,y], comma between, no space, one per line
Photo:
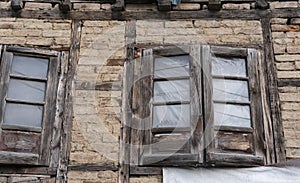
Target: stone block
[232,6]
[279,21]
[286,58]
[187,6]
[289,97]
[285,66]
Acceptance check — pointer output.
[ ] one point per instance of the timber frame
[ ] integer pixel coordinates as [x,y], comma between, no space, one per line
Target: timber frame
[70,61]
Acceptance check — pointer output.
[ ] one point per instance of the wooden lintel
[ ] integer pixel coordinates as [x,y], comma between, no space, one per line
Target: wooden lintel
[148,15]
[262,4]
[214,5]
[164,5]
[17,4]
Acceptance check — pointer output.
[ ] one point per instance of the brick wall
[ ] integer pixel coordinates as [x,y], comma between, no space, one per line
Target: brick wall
[286,43]
[96,125]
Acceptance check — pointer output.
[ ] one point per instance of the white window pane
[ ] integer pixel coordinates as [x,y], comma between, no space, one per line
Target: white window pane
[229,66]
[23,114]
[171,116]
[232,115]
[167,91]
[30,66]
[230,90]
[26,90]
[171,66]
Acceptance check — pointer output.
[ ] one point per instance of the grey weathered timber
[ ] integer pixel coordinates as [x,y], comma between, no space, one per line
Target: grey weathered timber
[126,122]
[214,5]
[19,158]
[28,170]
[272,95]
[234,159]
[67,116]
[94,167]
[148,15]
[164,5]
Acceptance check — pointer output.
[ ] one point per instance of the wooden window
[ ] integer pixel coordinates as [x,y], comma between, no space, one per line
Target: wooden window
[197,105]
[28,89]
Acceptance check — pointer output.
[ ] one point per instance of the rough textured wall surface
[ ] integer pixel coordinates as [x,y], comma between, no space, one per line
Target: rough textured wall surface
[53,34]
[96,125]
[286,43]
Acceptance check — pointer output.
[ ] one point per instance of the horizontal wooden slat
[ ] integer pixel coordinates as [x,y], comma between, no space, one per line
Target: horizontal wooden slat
[17,141]
[28,170]
[230,77]
[170,130]
[27,78]
[135,170]
[21,128]
[231,102]
[170,160]
[234,159]
[229,52]
[40,52]
[171,50]
[234,141]
[24,102]
[94,167]
[141,15]
[18,158]
[233,129]
[170,103]
[171,78]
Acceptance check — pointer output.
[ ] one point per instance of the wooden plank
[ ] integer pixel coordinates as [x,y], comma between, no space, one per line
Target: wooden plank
[197,137]
[49,112]
[18,158]
[170,159]
[135,170]
[288,82]
[233,129]
[33,51]
[67,115]
[234,141]
[17,141]
[272,95]
[126,121]
[27,170]
[207,99]
[255,99]
[228,51]
[171,50]
[21,128]
[94,167]
[234,159]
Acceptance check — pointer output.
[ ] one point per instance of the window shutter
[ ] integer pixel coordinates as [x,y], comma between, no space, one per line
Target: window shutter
[20,144]
[165,145]
[238,139]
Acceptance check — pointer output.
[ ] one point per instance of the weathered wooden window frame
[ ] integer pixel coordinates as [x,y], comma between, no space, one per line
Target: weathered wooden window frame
[213,156]
[43,157]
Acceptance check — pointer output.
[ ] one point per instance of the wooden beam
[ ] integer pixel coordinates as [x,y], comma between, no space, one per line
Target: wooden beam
[272,92]
[151,15]
[214,5]
[65,6]
[164,5]
[27,170]
[262,4]
[94,167]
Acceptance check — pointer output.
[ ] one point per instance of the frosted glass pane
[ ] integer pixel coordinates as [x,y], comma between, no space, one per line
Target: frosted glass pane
[24,115]
[232,115]
[26,90]
[166,91]
[171,66]
[171,116]
[229,66]
[30,66]
[230,90]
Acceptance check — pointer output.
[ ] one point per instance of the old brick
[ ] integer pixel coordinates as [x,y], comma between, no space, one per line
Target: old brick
[5,32]
[86,6]
[291,124]
[141,7]
[38,6]
[107,174]
[231,6]
[40,41]
[286,58]
[247,30]
[79,175]
[295,21]
[292,153]
[207,23]
[147,24]
[105,6]
[10,25]
[285,66]
[37,24]
[288,74]
[292,142]
[283,40]
[279,21]
[177,24]
[218,31]
[293,49]
[288,115]
[56,33]
[61,26]
[290,97]
[96,23]
[27,32]
[291,106]
[297,65]
[279,49]
[285,28]
[187,6]
[12,40]
[239,39]
[293,34]
[278,35]
[288,89]
[283,4]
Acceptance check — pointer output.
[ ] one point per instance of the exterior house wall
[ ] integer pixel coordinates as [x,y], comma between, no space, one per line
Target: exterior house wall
[95,133]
